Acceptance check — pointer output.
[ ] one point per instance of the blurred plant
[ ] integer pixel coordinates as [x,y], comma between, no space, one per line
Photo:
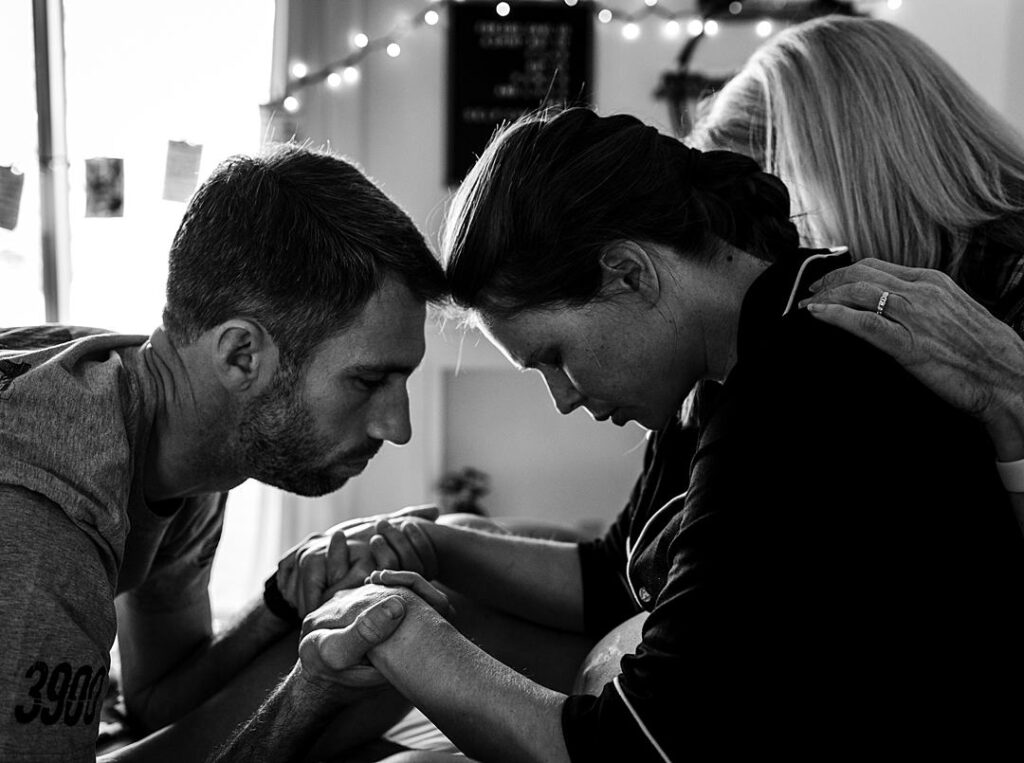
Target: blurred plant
[460,491]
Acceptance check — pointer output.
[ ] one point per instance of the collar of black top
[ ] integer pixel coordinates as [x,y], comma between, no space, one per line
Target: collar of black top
[777,292]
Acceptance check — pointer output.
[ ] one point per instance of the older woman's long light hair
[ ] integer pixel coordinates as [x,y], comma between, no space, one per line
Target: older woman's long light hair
[884,147]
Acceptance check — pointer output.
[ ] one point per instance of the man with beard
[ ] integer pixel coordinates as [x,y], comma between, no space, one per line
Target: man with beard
[295,307]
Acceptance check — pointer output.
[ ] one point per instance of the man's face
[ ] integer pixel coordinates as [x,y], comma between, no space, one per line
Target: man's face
[309,432]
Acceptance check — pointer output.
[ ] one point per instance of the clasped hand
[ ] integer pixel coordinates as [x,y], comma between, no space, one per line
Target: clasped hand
[344,555]
[336,637]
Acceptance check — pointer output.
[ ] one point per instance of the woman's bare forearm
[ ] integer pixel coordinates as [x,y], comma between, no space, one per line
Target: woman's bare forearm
[534,579]
[488,710]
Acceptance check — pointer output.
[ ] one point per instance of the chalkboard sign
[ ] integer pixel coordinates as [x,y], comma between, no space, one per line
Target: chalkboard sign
[500,67]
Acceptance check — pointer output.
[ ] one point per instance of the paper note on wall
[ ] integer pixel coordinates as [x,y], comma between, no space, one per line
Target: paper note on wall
[182,170]
[12,181]
[104,187]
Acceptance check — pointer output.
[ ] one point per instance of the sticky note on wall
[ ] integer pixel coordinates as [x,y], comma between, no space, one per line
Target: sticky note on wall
[182,169]
[12,181]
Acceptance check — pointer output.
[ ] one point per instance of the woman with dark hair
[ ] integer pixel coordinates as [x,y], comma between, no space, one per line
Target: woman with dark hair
[818,588]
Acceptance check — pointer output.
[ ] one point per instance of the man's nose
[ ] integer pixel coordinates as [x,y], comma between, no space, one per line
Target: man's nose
[390,418]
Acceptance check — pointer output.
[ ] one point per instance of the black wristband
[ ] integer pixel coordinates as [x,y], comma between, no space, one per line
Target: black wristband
[276,603]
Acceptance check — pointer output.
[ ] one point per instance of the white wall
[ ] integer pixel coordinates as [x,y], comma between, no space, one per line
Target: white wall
[568,470]
[393,122]
[978,39]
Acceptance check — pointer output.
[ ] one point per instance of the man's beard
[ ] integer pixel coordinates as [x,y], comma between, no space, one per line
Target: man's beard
[279,441]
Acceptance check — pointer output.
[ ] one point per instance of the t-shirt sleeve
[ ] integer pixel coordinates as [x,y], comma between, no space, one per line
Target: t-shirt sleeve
[180,574]
[56,631]
[816,527]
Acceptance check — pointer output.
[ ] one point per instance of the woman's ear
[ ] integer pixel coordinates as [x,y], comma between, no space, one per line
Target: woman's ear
[628,268]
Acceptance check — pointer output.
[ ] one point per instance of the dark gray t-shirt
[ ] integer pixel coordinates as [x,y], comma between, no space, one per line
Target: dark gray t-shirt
[75,417]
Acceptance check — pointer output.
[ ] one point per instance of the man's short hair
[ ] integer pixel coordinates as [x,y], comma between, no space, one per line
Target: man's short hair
[297,239]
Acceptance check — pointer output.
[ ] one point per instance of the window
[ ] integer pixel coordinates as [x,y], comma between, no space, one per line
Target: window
[21,273]
[138,76]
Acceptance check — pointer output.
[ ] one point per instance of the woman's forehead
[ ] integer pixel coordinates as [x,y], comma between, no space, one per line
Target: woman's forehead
[525,337]
[521,337]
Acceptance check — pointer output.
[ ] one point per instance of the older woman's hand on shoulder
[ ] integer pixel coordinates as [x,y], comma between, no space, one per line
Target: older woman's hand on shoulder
[939,334]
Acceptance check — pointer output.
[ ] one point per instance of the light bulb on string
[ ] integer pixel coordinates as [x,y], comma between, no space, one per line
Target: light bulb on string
[631,30]
[894,4]
[763,28]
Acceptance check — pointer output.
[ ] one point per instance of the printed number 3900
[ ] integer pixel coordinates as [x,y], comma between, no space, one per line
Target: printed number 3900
[70,695]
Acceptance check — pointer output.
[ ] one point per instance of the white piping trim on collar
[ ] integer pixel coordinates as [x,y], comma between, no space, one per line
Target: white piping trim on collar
[640,723]
[631,547]
[832,252]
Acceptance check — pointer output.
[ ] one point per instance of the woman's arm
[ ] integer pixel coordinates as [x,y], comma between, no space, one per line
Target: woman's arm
[944,338]
[488,710]
[534,579]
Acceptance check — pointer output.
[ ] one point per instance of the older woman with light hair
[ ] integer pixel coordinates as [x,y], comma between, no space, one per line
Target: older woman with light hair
[887,150]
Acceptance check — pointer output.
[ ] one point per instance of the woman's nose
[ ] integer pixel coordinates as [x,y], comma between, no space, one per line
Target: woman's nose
[564,395]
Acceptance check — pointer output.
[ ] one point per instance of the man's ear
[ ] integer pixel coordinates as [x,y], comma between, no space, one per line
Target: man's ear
[245,357]
[628,268]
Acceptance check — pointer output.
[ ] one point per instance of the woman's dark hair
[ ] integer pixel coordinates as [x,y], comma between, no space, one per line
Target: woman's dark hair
[527,227]
[296,238]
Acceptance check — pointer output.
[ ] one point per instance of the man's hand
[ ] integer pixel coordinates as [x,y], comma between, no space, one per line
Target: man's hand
[335,657]
[328,676]
[342,556]
[345,606]
[403,544]
[416,583]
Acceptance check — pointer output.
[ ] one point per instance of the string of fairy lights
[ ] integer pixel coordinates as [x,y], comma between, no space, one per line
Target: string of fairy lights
[346,70]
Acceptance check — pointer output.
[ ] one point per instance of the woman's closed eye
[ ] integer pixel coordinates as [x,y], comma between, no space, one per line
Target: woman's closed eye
[551,359]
